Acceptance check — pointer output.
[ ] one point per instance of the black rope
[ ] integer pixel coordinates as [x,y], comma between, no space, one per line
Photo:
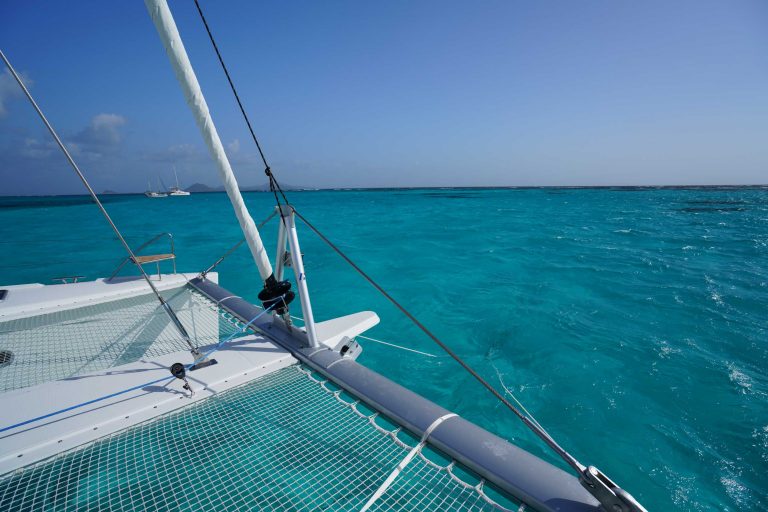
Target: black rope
[274,186]
[543,434]
[232,85]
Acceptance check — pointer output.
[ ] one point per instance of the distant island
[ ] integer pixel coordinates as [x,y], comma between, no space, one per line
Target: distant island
[202,188]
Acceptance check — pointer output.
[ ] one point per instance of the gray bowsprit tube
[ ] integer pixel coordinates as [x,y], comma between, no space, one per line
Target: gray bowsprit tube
[169,34]
[275,294]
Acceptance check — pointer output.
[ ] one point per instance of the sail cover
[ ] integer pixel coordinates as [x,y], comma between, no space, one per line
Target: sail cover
[169,34]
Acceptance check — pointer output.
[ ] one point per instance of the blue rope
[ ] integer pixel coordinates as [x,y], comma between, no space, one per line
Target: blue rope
[229,338]
[140,386]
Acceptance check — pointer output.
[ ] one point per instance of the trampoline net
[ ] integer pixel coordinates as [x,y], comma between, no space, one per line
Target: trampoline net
[287,441]
[72,342]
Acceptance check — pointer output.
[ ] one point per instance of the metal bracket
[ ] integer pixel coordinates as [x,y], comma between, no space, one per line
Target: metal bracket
[612,497]
[203,364]
[348,348]
[67,279]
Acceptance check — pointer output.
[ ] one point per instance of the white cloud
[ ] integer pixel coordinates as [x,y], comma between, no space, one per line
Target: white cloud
[33,148]
[9,89]
[104,130]
[93,143]
[234,146]
[179,153]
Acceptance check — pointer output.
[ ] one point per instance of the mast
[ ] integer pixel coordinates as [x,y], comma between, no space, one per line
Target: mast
[169,34]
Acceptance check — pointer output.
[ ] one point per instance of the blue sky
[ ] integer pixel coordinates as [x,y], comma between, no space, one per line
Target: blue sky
[397,93]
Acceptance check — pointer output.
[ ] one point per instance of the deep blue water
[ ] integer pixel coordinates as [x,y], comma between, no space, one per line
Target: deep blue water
[630,322]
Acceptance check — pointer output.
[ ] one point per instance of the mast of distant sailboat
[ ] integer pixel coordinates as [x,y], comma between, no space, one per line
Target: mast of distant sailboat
[177,191]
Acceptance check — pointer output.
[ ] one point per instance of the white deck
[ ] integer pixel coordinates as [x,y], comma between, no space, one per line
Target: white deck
[244,360]
[70,347]
[60,331]
[36,299]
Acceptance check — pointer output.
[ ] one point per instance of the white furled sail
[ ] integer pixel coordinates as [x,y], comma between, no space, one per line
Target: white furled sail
[169,34]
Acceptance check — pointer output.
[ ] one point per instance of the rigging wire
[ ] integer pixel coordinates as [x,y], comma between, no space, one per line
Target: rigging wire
[275,187]
[386,343]
[389,344]
[174,319]
[540,432]
[234,247]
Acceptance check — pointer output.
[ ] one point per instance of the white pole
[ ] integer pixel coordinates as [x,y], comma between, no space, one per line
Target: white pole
[169,34]
[280,257]
[301,278]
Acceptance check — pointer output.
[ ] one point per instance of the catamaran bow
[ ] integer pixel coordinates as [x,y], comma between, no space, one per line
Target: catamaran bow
[611,496]
[410,411]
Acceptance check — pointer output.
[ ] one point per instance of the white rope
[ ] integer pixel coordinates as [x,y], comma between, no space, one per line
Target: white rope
[512,395]
[408,458]
[382,342]
[396,346]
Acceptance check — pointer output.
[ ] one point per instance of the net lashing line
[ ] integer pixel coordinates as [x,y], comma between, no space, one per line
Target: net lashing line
[186,367]
[286,441]
[94,337]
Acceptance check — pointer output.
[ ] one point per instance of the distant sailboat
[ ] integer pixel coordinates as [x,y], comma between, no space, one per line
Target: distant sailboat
[177,191]
[152,193]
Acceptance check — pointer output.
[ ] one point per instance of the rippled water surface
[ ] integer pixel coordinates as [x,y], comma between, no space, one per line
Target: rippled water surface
[631,322]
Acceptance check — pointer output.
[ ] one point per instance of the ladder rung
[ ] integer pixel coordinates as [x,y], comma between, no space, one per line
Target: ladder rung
[153,258]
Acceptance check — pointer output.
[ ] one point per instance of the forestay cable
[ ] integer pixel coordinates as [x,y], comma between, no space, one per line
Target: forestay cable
[274,185]
[543,434]
[600,486]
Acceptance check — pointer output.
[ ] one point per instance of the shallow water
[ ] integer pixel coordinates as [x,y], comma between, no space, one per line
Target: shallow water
[630,322]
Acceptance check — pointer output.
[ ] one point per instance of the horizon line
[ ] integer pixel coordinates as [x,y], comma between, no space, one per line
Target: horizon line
[432,187]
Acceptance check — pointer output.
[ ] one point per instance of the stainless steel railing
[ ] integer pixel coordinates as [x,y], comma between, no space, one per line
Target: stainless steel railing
[140,260]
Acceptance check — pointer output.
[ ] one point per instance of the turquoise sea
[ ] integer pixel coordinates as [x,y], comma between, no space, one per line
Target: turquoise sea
[632,322]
